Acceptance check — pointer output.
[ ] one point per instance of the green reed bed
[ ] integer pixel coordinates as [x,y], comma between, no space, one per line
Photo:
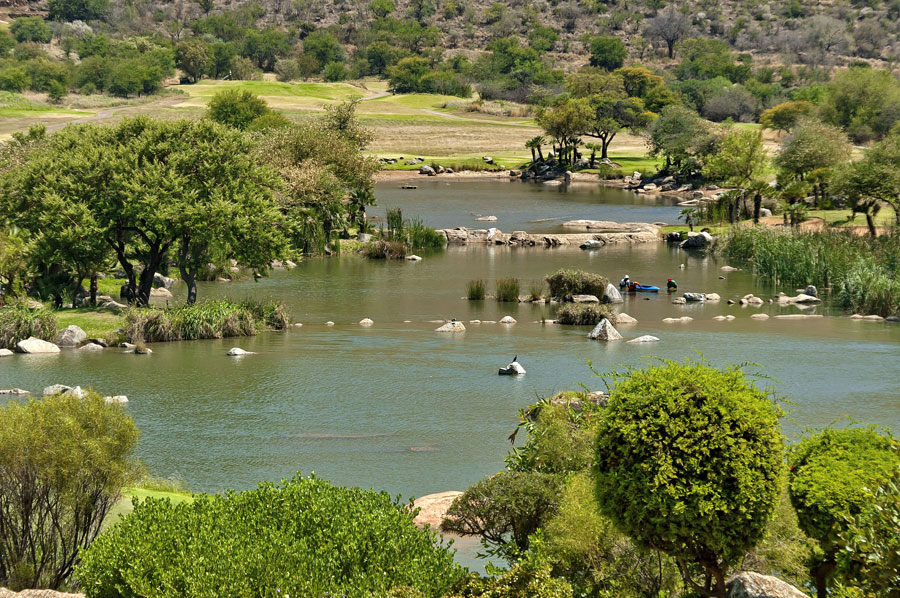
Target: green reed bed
[864,272]
[584,314]
[507,290]
[475,290]
[576,282]
[209,319]
[18,322]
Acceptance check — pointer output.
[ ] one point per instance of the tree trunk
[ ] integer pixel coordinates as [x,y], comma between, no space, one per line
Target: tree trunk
[757,206]
[190,279]
[94,289]
[540,153]
[671,46]
[532,155]
[820,574]
[593,155]
[870,222]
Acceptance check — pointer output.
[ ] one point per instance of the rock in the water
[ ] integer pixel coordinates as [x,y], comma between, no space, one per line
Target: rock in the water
[161,292]
[127,346]
[801,298]
[604,331]
[366,322]
[681,320]
[624,318]
[508,320]
[592,244]
[679,301]
[90,347]
[759,317]
[728,269]
[14,392]
[98,341]
[513,369]
[5,353]
[754,585]
[71,336]
[35,345]
[140,350]
[612,294]
[56,389]
[454,326]
[695,296]
[329,323]
[585,299]
[116,399]
[644,339]
[723,318]
[713,297]
[798,317]
[163,281]
[237,352]
[697,241]
[811,290]
[486,219]
[433,508]
[750,300]
[413,258]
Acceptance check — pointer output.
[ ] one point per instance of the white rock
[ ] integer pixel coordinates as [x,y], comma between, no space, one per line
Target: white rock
[508,320]
[297,325]
[797,317]
[754,585]
[5,352]
[644,339]
[127,346]
[713,297]
[679,301]
[728,269]
[729,317]
[801,298]
[56,389]
[585,299]
[14,392]
[487,219]
[366,322]
[35,345]
[116,399]
[413,258]
[77,392]
[612,294]
[70,336]
[329,323]
[604,331]
[474,321]
[759,317]
[237,352]
[161,292]
[455,326]
[489,321]
[143,351]
[624,318]
[681,320]
[720,318]
[91,347]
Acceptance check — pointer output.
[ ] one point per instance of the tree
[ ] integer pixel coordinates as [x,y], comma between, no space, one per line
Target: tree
[264,47]
[534,144]
[612,109]
[63,462]
[193,58]
[688,460]
[236,107]
[564,122]
[863,101]
[31,29]
[381,8]
[408,75]
[323,46]
[155,191]
[607,52]
[784,116]
[739,160]
[681,136]
[669,25]
[812,145]
[873,181]
[78,10]
[205,5]
[833,475]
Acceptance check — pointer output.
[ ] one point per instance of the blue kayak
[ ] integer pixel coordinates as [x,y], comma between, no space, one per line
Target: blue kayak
[642,288]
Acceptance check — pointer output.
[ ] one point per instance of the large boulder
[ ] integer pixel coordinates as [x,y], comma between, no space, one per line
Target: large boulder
[35,345]
[433,508]
[71,336]
[454,326]
[612,294]
[754,585]
[426,169]
[161,292]
[697,241]
[56,389]
[604,331]
[5,353]
[163,281]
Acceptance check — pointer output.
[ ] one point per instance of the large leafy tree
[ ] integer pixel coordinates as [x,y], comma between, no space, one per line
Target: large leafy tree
[688,460]
[682,136]
[565,122]
[740,162]
[812,145]
[154,192]
[873,181]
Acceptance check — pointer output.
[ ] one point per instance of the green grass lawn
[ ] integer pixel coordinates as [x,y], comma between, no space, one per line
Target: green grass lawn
[125,505]
[96,323]
[319,91]
[843,217]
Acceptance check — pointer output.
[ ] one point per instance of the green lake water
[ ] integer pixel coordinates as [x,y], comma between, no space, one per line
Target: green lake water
[402,408]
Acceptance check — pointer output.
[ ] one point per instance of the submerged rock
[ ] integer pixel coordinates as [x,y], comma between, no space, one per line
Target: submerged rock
[604,331]
[644,339]
[508,320]
[34,345]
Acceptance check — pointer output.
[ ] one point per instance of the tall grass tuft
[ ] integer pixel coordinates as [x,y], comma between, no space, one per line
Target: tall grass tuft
[209,319]
[584,314]
[576,282]
[865,272]
[18,322]
[536,290]
[507,289]
[384,249]
[475,290]
[419,236]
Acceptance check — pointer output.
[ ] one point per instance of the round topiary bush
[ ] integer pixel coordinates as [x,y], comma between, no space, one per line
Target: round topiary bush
[688,460]
[303,537]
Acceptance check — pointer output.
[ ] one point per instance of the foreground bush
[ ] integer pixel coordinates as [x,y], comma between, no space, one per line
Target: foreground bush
[63,462]
[18,322]
[584,314]
[688,460]
[576,282]
[209,319]
[833,475]
[301,538]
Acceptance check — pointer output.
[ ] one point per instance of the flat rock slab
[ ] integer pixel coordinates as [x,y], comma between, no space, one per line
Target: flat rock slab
[585,299]
[35,345]
[759,317]
[433,508]
[14,392]
[798,317]
[681,320]
[644,339]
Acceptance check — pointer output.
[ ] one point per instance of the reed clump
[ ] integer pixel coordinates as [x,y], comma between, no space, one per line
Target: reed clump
[508,290]
[567,282]
[584,314]
[209,319]
[475,290]
[18,322]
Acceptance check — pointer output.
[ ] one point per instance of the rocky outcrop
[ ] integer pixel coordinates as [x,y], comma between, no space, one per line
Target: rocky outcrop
[70,336]
[604,331]
[116,400]
[14,392]
[637,233]
[433,508]
[700,240]
[754,585]
[751,300]
[454,326]
[801,298]
[33,345]
[606,226]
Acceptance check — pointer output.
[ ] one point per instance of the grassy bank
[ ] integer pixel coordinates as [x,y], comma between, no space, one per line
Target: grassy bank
[206,320]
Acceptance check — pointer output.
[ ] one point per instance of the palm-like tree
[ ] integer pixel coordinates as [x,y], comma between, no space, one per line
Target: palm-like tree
[758,189]
[534,144]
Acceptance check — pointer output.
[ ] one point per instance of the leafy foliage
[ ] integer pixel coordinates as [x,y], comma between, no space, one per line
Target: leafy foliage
[567,282]
[475,290]
[18,322]
[302,537]
[584,314]
[688,460]
[236,108]
[63,462]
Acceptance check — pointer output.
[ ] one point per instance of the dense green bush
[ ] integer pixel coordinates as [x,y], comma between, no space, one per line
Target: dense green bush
[300,538]
[528,578]
[63,462]
[507,289]
[31,29]
[576,282]
[236,108]
[384,249]
[688,460]
[584,314]
[833,475]
[504,510]
[208,319]
[18,322]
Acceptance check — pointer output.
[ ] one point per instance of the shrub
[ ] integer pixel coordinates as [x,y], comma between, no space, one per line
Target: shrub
[335,71]
[584,314]
[507,289]
[832,477]
[31,29]
[504,510]
[208,319]
[236,108]
[384,249]
[559,436]
[13,79]
[475,290]
[270,314]
[18,322]
[576,282]
[63,462]
[528,578]
[302,537]
[688,460]
[419,236]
